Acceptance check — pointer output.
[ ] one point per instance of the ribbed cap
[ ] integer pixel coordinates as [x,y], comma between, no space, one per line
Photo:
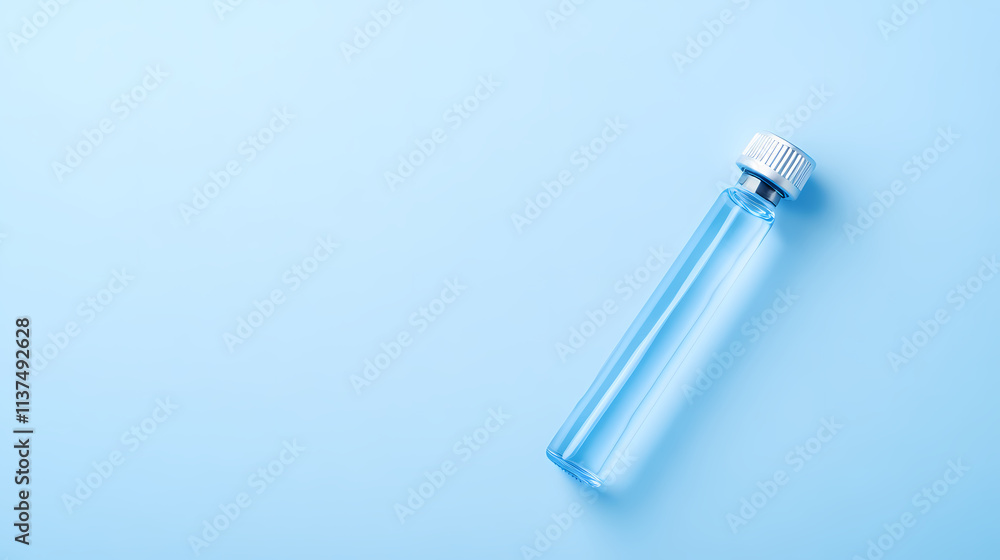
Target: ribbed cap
[773,158]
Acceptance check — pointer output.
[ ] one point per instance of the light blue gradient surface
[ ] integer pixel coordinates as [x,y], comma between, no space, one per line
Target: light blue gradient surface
[494,346]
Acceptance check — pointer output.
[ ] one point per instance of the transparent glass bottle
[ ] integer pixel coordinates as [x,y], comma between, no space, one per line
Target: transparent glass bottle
[649,354]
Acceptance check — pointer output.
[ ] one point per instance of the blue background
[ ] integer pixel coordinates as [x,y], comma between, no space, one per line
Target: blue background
[494,347]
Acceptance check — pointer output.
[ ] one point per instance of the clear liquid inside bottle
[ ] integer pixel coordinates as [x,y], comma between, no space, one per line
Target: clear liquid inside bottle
[643,363]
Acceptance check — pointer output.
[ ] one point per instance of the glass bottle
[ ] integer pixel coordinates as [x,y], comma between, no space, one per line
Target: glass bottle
[654,346]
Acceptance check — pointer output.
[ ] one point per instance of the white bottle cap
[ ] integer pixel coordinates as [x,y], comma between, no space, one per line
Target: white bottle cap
[777,160]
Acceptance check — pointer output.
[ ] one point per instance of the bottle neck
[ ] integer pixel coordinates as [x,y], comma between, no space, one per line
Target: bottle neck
[760,187]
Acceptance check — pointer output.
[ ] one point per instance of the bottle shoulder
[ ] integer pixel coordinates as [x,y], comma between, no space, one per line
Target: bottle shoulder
[750,202]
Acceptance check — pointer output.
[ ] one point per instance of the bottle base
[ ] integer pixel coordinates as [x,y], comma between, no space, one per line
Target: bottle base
[574,470]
